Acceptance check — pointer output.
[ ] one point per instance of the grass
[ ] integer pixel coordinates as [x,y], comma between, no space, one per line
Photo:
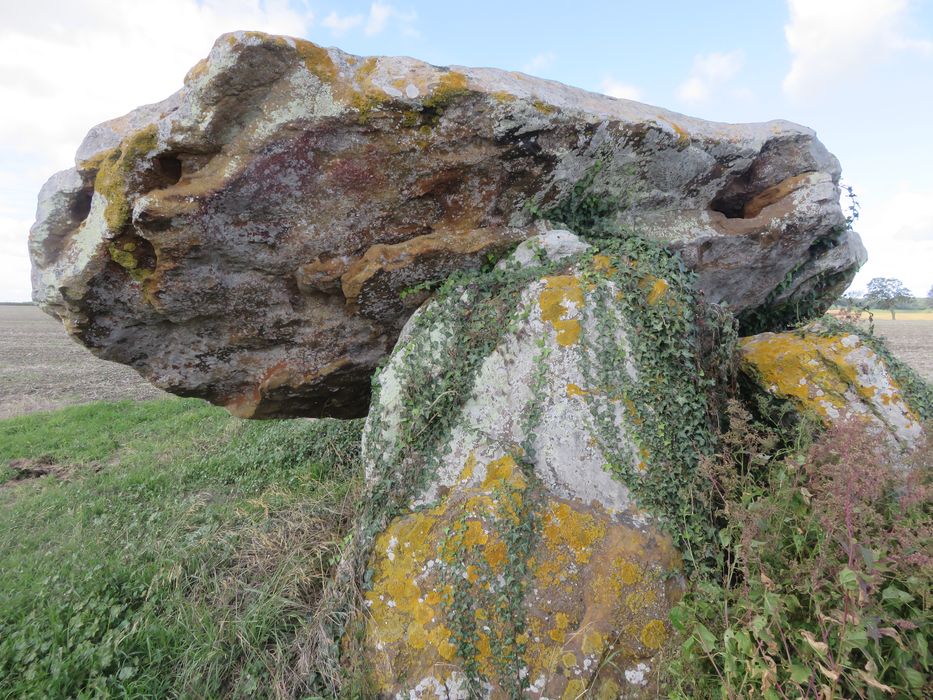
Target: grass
[171,550]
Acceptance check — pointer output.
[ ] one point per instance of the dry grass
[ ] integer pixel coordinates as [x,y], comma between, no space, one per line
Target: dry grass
[41,368]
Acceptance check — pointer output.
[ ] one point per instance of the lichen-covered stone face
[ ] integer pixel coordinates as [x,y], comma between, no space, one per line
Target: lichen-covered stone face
[595,614]
[521,562]
[251,240]
[833,375]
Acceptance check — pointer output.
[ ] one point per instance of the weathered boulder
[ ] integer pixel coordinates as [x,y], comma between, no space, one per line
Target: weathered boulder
[835,372]
[253,239]
[534,437]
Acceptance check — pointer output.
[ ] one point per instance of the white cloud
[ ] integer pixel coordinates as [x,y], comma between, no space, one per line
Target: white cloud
[539,63]
[66,66]
[380,14]
[898,233]
[832,40]
[340,25]
[14,260]
[614,88]
[709,73]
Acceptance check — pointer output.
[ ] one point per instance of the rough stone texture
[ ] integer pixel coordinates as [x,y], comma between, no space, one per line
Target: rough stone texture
[834,377]
[601,576]
[248,239]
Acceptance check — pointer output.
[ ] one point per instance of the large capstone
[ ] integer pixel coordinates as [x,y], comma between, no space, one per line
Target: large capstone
[259,238]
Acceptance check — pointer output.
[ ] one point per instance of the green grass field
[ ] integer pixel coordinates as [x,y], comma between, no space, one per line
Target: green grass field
[164,548]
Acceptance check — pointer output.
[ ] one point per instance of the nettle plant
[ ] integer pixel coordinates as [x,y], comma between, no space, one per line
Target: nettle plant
[824,585]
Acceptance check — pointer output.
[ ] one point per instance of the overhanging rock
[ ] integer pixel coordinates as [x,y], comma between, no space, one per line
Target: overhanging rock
[260,238]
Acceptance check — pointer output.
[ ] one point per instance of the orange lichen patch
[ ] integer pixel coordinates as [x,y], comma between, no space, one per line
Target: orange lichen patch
[774,194]
[609,690]
[382,257]
[683,137]
[656,288]
[575,689]
[593,643]
[496,554]
[813,370]
[467,473]
[560,292]
[451,84]
[565,527]
[474,535]
[503,471]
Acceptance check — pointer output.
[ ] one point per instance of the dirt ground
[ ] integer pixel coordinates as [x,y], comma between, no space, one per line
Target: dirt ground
[41,368]
[910,340]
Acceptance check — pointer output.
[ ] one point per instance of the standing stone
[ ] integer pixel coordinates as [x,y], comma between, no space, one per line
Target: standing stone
[834,373]
[520,562]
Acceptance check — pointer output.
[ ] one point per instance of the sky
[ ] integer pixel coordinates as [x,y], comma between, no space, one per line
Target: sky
[860,72]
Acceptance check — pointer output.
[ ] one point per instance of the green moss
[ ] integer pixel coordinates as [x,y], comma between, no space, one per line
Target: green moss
[114,169]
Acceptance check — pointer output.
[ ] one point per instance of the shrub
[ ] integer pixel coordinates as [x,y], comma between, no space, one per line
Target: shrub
[825,578]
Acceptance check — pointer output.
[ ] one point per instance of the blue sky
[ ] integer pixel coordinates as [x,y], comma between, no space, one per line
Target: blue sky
[858,71]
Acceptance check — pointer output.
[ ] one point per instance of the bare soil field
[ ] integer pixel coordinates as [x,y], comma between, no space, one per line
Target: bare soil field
[41,368]
[910,340]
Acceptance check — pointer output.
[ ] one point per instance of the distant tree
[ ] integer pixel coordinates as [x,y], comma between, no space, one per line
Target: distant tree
[887,293]
[850,298]
[930,298]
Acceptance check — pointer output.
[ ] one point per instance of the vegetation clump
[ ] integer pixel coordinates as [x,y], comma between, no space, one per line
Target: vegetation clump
[172,551]
[823,584]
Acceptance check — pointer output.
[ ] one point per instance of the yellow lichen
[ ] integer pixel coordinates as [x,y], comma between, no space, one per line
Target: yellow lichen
[502,96]
[543,107]
[317,60]
[658,290]
[589,583]
[653,635]
[555,299]
[603,264]
[574,690]
[574,390]
[815,371]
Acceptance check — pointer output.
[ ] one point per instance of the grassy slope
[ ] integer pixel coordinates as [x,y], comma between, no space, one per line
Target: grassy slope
[175,553]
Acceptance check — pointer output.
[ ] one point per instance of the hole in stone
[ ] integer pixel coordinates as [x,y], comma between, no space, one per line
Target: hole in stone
[168,170]
[81,206]
[732,198]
